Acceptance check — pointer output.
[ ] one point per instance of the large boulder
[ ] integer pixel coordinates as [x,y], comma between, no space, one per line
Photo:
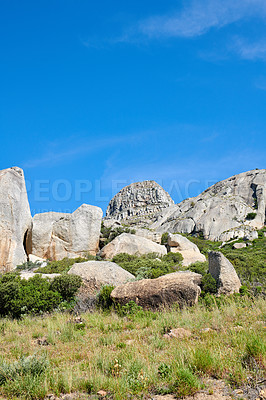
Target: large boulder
[15,218]
[103,272]
[94,275]
[57,235]
[137,202]
[189,250]
[131,244]
[224,273]
[229,209]
[179,287]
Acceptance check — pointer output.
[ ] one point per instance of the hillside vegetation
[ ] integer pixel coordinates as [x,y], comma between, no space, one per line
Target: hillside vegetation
[127,354]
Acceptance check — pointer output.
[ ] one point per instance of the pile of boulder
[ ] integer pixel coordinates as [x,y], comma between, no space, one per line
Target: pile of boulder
[54,235]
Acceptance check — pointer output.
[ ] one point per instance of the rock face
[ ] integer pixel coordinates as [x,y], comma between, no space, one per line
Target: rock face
[138,201]
[103,272]
[57,235]
[224,273]
[131,244]
[189,251]
[220,212]
[178,287]
[15,218]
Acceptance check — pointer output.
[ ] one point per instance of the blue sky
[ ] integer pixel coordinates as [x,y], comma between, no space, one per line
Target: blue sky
[96,95]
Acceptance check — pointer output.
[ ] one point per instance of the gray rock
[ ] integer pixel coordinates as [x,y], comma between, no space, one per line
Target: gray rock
[149,234]
[189,251]
[138,201]
[15,218]
[178,287]
[219,213]
[103,272]
[57,235]
[131,244]
[239,245]
[224,273]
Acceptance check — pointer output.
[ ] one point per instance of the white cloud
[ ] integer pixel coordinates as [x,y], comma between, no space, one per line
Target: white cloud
[199,16]
[250,51]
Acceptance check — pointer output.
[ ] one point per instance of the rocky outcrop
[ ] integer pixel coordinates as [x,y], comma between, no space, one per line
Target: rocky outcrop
[131,244]
[229,209]
[103,272]
[138,201]
[179,287]
[57,235]
[224,273]
[189,251]
[15,218]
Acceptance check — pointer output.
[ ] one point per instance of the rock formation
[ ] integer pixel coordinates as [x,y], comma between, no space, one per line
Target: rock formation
[131,244]
[178,287]
[229,209]
[189,251]
[15,218]
[103,272]
[224,273]
[57,235]
[138,201]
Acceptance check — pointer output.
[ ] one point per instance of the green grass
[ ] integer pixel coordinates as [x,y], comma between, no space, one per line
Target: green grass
[128,356]
[62,266]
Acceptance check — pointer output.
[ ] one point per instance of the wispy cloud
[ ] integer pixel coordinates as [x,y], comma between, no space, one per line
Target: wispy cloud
[58,152]
[199,16]
[250,51]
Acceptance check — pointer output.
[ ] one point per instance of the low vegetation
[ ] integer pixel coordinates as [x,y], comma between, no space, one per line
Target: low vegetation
[149,266]
[127,354]
[36,295]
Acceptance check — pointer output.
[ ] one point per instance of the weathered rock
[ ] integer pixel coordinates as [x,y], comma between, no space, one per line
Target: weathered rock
[189,251]
[15,218]
[239,245]
[224,273]
[178,287]
[148,234]
[220,212]
[131,244]
[138,201]
[57,235]
[179,333]
[103,272]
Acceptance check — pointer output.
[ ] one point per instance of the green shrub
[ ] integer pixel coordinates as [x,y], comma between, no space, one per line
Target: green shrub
[186,383]
[19,296]
[251,216]
[148,265]
[173,258]
[164,238]
[208,284]
[29,265]
[199,267]
[61,266]
[24,378]
[66,285]
[104,300]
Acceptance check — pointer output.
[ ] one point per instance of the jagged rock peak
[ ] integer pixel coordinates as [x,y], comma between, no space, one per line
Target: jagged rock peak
[140,199]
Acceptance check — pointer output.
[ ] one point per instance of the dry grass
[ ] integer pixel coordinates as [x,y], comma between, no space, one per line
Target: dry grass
[128,356]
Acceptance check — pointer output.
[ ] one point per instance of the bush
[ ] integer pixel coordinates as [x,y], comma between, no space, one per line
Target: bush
[61,266]
[164,238]
[208,284]
[66,285]
[19,296]
[173,258]
[186,383]
[251,216]
[25,377]
[145,266]
[104,300]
